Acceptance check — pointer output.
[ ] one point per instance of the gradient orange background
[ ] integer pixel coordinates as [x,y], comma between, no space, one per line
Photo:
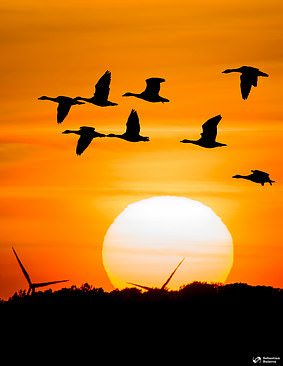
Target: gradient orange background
[56,207]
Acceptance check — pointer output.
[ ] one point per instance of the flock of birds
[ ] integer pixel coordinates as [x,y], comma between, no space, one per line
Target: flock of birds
[249,77]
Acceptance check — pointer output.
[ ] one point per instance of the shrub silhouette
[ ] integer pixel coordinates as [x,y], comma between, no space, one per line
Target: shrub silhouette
[244,317]
[195,292]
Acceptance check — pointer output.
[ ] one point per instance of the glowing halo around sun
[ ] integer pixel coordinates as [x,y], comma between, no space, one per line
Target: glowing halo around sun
[148,239]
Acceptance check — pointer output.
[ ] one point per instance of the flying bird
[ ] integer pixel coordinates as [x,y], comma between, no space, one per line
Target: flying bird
[132,133]
[100,96]
[257,176]
[249,76]
[208,135]
[86,135]
[151,92]
[64,105]
[163,287]
[33,286]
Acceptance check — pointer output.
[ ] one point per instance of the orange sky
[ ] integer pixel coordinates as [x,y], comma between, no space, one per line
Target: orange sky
[56,207]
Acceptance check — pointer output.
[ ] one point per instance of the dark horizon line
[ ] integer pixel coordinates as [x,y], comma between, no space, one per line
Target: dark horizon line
[205,288]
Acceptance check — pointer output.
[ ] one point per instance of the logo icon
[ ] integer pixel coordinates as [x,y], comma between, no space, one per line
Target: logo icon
[257,359]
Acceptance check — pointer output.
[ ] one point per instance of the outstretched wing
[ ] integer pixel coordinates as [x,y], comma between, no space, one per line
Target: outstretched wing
[102,87]
[62,111]
[133,124]
[246,84]
[153,85]
[171,275]
[22,267]
[144,287]
[83,143]
[42,284]
[259,173]
[209,128]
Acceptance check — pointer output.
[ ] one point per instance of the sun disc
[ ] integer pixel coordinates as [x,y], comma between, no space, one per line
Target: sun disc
[148,239]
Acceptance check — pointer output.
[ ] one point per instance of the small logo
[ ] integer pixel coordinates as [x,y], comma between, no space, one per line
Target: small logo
[257,359]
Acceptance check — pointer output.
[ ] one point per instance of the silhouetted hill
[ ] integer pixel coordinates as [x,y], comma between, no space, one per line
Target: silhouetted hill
[200,324]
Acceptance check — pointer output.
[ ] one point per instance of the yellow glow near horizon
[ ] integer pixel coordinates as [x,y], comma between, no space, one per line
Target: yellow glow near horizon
[149,237]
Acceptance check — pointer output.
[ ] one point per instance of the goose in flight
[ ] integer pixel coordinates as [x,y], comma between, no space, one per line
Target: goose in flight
[102,88]
[32,285]
[132,133]
[151,92]
[64,105]
[249,76]
[86,135]
[163,287]
[208,135]
[257,176]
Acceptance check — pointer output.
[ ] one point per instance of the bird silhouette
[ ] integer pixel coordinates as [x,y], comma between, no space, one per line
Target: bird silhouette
[100,96]
[151,92]
[33,286]
[132,133]
[64,105]
[163,287]
[249,76]
[86,135]
[208,135]
[257,176]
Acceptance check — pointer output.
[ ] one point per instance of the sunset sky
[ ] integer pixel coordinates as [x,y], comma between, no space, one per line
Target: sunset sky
[56,207]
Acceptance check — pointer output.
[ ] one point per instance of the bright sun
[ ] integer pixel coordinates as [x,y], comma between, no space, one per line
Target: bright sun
[148,239]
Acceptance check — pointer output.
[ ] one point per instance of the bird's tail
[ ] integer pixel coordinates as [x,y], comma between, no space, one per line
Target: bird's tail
[164,100]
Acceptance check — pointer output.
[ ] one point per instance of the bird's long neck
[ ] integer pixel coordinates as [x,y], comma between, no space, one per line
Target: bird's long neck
[195,142]
[84,99]
[72,131]
[131,95]
[242,176]
[113,135]
[232,70]
[97,134]
[49,98]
